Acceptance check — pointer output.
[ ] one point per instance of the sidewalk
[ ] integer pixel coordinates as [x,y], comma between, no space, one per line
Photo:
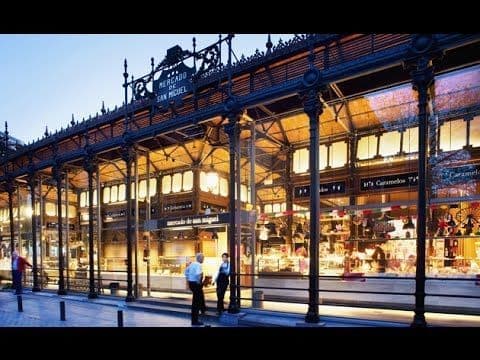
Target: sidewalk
[43,310]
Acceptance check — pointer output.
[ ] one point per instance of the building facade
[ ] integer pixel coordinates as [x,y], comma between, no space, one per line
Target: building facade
[336,169]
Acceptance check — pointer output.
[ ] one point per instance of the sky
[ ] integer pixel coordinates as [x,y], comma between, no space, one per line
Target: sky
[47,78]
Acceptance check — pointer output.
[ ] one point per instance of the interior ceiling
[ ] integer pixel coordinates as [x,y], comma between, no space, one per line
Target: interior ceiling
[353,104]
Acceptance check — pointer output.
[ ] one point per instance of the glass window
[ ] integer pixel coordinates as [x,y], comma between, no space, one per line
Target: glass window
[300,161]
[390,143]
[410,140]
[203,181]
[122,192]
[106,194]
[323,157]
[475,131]
[50,209]
[216,189]
[64,211]
[367,147]
[114,194]
[83,199]
[153,187]
[453,135]
[177,182]
[166,184]
[339,154]
[187,180]
[243,193]
[72,211]
[94,197]
[276,208]
[268,208]
[132,191]
[283,206]
[223,187]
[142,189]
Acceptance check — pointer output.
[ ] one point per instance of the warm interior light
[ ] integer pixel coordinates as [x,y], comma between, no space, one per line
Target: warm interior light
[212,178]
[408,224]
[28,211]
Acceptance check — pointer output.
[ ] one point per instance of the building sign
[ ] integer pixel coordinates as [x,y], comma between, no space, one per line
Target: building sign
[54,225]
[389,181]
[325,189]
[173,84]
[213,208]
[443,176]
[114,215]
[194,220]
[180,206]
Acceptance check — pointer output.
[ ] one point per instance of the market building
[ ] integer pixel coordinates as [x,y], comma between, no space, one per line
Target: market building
[335,168]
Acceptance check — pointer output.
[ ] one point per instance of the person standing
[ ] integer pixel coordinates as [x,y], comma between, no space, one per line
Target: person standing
[19,265]
[222,280]
[194,275]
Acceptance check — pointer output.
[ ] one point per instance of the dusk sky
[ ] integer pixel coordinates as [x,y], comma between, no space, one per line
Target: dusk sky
[47,78]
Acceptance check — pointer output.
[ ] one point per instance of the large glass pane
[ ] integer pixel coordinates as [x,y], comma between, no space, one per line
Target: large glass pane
[177,182]
[338,154]
[390,143]
[122,192]
[106,194]
[453,135]
[323,157]
[188,180]
[166,184]
[367,147]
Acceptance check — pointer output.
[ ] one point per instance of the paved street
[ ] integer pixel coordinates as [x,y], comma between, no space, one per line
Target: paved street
[43,310]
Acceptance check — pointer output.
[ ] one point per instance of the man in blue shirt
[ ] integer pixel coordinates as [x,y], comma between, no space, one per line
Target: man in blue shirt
[194,275]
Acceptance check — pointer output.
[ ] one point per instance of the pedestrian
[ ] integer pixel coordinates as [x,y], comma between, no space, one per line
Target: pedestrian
[18,267]
[222,280]
[194,275]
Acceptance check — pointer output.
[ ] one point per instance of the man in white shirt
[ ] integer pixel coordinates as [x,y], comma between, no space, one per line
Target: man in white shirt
[194,275]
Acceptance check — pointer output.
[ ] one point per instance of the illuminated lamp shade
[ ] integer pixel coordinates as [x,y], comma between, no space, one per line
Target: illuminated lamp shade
[212,178]
[408,224]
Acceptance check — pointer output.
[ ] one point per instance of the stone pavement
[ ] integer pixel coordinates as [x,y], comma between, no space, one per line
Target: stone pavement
[43,310]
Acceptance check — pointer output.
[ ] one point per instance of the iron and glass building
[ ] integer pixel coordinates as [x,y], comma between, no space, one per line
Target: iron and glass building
[335,168]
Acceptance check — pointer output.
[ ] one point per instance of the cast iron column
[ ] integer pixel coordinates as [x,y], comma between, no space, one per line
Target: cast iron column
[10,190]
[90,165]
[58,175]
[232,130]
[313,109]
[128,155]
[422,79]
[32,183]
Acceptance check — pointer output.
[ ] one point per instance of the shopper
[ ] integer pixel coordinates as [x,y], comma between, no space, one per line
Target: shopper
[194,275]
[18,267]
[222,280]
[379,256]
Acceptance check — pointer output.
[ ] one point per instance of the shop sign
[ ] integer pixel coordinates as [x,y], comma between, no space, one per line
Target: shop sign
[180,206]
[194,220]
[173,84]
[444,175]
[325,189]
[112,215]
[389,181]
[54,225]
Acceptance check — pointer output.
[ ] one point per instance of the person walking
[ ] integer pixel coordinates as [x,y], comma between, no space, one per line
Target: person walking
[19,265]
[222,280]
[194,275]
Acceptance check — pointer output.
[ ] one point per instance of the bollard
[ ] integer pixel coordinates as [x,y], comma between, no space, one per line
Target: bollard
[19,303]
[120,318]
[62,310]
